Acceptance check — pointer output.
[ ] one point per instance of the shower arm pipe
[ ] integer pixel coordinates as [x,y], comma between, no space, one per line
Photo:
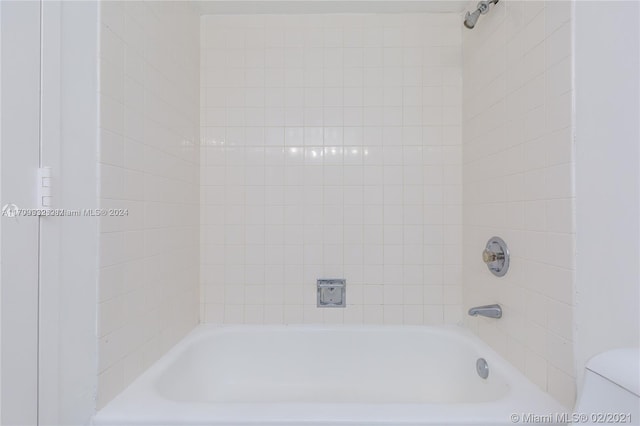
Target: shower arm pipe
[485,5]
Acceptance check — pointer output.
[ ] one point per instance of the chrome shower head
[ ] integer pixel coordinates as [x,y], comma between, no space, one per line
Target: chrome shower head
[471,18]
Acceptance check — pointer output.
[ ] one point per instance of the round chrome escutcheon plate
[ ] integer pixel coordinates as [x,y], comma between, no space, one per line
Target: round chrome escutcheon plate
[496,256]
[482,368]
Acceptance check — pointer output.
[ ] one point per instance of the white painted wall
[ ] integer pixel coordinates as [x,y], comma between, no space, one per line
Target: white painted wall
[149,102]
[331,149]
[518,184]
[607,111]
[19,246]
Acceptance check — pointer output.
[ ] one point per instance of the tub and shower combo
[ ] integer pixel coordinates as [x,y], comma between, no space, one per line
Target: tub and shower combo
[334,375]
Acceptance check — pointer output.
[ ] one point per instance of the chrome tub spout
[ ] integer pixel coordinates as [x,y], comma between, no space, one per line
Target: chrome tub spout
[489,311]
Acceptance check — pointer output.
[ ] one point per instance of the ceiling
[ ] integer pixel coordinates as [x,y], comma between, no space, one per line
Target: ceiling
[208,7]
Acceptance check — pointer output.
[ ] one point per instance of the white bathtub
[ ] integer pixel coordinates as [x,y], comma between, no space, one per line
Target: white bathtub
[326,375]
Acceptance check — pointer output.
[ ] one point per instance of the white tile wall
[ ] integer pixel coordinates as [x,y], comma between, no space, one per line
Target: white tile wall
[148,285]
[518,184]
[331,148]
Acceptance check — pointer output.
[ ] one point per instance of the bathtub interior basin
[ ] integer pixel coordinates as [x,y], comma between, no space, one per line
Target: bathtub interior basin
[329,365]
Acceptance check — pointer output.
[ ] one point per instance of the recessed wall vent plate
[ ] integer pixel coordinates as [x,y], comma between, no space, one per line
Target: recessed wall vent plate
[332,293]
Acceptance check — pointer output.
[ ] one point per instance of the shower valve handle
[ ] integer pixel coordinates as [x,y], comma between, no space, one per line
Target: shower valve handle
[489,256]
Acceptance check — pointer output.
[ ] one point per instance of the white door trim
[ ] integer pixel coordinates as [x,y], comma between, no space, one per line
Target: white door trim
[49,293]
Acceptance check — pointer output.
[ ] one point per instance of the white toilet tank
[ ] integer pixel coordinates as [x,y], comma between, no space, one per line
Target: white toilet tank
[611,389]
